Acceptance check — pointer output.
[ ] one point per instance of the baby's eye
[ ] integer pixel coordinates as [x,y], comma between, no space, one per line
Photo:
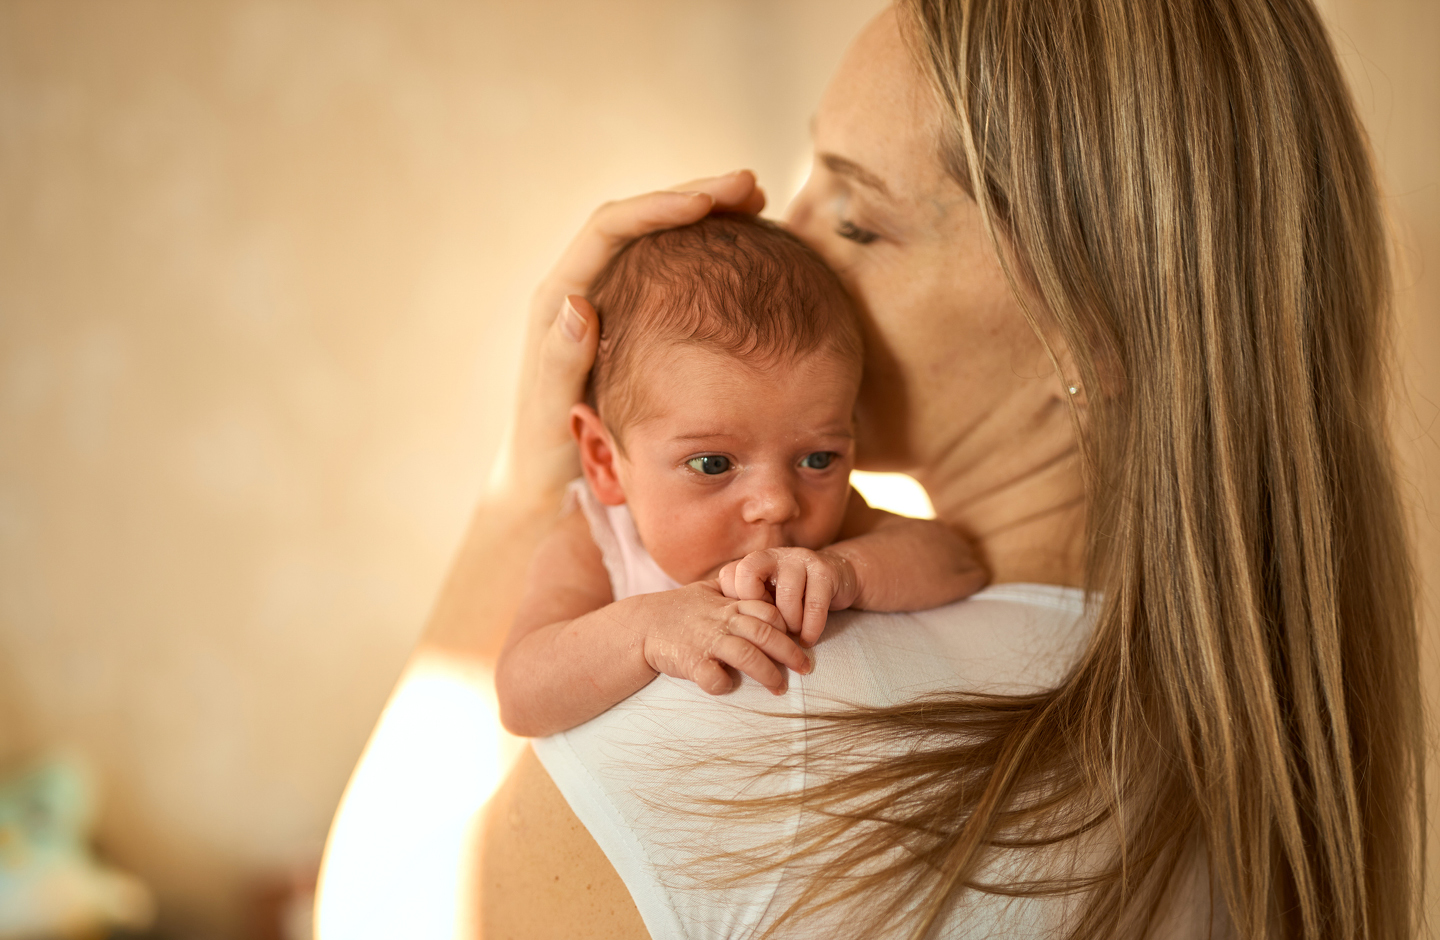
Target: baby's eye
[710,465]
[818,460]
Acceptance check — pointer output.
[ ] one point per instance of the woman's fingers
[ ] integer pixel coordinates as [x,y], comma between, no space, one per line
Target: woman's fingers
[566,355]
[615,223]
[542,453]
[561,334]
[733,192]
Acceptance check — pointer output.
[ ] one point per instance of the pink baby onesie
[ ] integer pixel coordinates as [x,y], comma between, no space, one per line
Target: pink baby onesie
[632,570]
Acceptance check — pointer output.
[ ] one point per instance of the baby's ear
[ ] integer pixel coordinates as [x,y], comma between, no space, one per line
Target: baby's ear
[598,454]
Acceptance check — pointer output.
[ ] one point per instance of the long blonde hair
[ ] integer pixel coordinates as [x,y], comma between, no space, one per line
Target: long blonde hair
[1186,188]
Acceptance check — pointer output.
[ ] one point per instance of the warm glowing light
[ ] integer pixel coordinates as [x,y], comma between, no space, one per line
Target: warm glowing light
[398,850]
[799,176]
[893,492]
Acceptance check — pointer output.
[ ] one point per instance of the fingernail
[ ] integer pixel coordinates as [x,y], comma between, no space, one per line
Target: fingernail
[571,322]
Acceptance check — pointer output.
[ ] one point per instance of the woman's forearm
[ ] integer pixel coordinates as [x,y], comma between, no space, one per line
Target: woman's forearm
[486,582]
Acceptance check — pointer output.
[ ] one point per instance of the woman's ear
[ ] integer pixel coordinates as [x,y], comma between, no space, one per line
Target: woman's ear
[598,455]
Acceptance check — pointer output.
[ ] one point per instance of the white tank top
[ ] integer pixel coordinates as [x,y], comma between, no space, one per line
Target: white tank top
[632,570]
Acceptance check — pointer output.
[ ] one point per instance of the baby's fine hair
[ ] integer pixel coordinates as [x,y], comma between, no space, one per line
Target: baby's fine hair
[732,283]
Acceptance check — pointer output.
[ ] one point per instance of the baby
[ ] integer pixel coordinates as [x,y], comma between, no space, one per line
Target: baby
[717,527]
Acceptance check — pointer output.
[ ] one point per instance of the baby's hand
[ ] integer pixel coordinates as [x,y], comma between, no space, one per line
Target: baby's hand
[805,585]
[701,631]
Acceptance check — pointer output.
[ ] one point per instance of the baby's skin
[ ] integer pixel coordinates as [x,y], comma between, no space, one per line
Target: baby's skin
[737,477]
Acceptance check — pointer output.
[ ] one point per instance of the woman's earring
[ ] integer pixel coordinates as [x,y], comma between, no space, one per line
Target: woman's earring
[1074,389]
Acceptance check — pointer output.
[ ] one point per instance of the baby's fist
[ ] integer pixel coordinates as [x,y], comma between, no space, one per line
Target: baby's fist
[804,585]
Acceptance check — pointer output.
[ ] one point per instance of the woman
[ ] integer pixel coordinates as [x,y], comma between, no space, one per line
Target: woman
[1125,285]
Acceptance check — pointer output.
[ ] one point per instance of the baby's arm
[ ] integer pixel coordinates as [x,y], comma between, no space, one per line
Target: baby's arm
[881,562]
[571,653]
[903,563]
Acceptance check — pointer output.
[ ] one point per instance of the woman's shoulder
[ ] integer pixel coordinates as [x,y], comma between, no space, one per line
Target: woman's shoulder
[630,773]
[1009,638]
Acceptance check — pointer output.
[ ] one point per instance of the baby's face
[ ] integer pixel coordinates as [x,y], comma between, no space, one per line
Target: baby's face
[734,458]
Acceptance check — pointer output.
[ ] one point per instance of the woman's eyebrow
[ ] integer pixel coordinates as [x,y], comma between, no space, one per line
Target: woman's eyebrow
[849,168]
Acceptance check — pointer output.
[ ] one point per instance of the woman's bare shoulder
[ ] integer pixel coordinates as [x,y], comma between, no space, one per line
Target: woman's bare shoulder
[539,873]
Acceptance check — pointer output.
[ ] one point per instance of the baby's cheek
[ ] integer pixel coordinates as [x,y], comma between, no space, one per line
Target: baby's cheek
[827,517]
[689,547]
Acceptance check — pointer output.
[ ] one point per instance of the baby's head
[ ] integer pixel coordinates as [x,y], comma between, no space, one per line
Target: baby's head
[721,405]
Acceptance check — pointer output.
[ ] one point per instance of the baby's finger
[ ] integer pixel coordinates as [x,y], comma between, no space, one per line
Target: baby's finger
[820,589]
[711,677]
[726,578]
[818,592]
[764,611]
[744,656]
[790,589]
[753,575]
[772,640]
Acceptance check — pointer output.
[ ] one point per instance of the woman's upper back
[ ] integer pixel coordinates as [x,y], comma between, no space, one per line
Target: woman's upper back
[643,778]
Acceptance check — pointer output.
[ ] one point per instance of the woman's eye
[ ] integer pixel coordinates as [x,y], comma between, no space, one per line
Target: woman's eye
[855,233]
[711,465]
[818,460]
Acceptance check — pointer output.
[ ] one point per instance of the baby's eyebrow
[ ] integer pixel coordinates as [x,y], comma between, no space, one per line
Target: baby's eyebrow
[702,436]
[838,431]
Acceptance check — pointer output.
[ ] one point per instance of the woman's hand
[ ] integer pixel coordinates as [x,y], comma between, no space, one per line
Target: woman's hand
[562,329]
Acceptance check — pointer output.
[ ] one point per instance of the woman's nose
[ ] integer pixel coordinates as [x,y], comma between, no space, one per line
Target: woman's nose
[798,213]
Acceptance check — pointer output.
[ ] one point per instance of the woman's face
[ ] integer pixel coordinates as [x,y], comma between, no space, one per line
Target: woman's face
[952,368]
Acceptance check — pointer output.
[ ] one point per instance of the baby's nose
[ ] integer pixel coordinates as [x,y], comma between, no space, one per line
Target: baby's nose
[773,502]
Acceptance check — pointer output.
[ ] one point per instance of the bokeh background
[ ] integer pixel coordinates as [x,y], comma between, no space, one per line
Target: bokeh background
[262,270]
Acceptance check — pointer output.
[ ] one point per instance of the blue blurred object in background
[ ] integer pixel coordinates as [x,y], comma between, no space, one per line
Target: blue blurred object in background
[51,885]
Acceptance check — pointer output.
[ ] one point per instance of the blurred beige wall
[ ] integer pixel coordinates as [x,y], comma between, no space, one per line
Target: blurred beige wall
[1389,51]
[261,268]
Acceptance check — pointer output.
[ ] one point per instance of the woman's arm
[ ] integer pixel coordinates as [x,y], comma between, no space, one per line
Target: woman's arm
[398,844]
[540,874]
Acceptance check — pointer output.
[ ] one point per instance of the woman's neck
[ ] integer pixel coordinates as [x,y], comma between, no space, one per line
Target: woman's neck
[1021,505]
